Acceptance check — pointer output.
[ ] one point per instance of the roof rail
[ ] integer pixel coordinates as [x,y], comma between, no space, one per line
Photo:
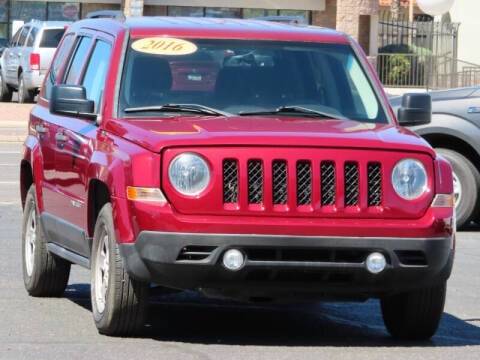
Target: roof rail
[106,14]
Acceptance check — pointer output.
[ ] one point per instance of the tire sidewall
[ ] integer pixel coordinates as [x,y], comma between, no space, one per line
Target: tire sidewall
[21,90]
[104,224]
[31,202]
[464,173]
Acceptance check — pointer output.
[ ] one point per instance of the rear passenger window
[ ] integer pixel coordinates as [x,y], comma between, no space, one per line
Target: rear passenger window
[51,38]
[23,36]
[62,54]
[94,79]
[78,60]
[32,36]
[15,37]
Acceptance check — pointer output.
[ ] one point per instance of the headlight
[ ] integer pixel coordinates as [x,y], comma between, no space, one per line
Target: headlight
[189,174]
[409,179]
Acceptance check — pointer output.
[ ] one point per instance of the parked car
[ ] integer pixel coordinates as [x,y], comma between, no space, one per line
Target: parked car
[291,180]
[26,59]
[455,134]
[3,45]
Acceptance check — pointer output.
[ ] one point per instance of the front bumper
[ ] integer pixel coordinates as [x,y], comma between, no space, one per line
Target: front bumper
[288,267]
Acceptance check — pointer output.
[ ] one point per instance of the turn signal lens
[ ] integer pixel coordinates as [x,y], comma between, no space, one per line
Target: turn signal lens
[145,194]
[444,200]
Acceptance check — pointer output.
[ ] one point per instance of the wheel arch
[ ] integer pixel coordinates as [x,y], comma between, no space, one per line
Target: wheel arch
[454,143]
[98,196]
[26,179]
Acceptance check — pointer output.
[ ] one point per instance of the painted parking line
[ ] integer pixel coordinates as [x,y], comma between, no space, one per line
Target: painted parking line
[9,183]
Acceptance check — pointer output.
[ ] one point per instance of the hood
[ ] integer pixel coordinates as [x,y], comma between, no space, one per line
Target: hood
[156,134]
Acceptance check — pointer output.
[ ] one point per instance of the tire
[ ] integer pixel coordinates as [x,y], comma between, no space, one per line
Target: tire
[44,274]
[24,95]
[469,178]
[6,92]
[414,315]
[122,309]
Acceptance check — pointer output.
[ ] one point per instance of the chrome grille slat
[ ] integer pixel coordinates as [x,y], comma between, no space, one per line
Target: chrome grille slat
[374,184]
[304,183]
[279,182]
[328,182]
[255,182]
[230,181]
[351,180]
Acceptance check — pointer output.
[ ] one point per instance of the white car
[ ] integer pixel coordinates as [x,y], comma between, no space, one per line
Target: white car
[26,59]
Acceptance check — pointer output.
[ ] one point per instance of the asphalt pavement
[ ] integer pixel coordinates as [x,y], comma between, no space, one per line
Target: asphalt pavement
[188,326]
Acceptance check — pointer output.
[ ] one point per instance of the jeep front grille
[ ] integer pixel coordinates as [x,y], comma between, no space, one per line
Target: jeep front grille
[328,179]
[304,183]
[230,181]
[374,184]
[279,176]
[351,179]
[328,183]
[255,182]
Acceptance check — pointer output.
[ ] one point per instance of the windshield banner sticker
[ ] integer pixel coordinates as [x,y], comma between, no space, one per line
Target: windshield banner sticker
[164,46]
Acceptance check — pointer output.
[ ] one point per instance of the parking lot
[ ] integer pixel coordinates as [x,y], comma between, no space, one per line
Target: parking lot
[187,326]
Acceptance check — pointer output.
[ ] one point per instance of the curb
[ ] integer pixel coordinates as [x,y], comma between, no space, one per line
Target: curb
[12,138]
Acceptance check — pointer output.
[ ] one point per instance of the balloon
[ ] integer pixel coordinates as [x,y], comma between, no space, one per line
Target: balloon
[435,7]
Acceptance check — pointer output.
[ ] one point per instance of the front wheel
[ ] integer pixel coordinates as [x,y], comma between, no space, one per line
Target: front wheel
[119,303]
[414,315]
[466,180]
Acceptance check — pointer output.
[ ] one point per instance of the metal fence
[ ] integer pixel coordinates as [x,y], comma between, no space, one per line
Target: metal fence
[426,71]
[421,53]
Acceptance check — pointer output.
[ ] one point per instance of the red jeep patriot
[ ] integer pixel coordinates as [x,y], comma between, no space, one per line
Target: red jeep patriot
[244,159]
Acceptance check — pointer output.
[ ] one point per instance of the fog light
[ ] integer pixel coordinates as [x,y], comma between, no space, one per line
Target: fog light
[233,259]
[376,263]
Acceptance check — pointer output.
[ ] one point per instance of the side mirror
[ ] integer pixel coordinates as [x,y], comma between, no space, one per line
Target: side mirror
[416,109]
[71,100]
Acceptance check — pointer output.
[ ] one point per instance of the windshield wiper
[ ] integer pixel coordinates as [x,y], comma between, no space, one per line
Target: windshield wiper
[190,108]
[294,110]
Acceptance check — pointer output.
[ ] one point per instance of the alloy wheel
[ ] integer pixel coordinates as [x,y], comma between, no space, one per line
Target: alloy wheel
[30,241]
[102,268]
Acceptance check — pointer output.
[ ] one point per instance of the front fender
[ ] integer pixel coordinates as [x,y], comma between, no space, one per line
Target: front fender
[117,169]
[454,126]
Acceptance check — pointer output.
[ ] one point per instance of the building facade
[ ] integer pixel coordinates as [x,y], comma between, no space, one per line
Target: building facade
[356,17]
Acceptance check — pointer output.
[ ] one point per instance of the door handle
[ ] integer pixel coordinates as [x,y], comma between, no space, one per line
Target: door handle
[61,137]
[39,128]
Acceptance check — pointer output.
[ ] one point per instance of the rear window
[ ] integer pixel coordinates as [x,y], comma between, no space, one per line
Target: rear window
[51,38]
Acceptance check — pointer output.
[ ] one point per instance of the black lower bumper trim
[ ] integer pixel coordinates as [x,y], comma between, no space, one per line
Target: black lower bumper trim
[288,266]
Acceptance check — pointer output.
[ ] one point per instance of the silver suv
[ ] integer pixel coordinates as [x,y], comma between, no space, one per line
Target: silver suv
[26,60]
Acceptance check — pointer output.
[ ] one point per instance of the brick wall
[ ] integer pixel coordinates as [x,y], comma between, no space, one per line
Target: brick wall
[353,18]
[328,17]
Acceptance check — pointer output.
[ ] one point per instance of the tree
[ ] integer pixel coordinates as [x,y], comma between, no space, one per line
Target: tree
[395,9]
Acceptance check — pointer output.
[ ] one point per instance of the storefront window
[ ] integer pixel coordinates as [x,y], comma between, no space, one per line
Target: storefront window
[63,11]
[255,13]
[301,14]
[194,11]
[3,11]
[223,12]
[28,10]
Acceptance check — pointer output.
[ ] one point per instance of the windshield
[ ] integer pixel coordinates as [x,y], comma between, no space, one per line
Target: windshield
[242,77]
